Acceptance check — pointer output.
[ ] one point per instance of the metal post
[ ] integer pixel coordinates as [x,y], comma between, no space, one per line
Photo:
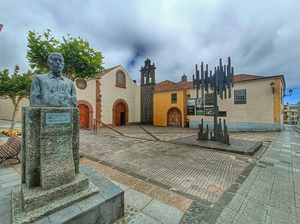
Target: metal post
[219,82]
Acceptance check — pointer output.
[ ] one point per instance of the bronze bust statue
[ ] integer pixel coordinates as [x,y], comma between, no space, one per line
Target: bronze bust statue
[53,89]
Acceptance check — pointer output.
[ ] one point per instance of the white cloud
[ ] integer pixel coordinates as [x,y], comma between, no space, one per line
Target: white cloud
[261,37]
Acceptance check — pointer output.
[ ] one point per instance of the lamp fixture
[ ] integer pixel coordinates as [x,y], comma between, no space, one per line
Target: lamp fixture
[290,93]
[272,86]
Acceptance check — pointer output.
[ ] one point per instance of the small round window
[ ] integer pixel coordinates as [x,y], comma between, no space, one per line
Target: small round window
[81,84]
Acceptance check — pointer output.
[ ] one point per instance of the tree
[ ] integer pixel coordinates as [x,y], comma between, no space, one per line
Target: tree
[286,116]
[15,87]
[81,61]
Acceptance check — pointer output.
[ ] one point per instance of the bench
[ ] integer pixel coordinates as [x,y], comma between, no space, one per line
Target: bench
[10,149]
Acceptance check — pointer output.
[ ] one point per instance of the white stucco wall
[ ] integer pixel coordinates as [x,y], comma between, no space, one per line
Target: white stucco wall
[111,93]
[7,108]
[88,94]
[259,107]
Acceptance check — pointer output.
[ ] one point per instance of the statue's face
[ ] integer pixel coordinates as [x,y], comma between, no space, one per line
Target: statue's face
[57,63]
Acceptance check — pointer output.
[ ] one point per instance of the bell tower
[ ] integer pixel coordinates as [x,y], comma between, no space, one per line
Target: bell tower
[147,90]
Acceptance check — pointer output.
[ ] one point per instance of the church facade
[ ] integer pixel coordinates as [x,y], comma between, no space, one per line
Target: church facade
[112,98]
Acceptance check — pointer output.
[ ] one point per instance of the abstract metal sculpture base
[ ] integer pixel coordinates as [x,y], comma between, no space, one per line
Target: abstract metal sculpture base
[218,134]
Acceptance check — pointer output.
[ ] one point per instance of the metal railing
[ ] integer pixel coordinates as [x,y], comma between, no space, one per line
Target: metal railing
[81,126]
[100,122]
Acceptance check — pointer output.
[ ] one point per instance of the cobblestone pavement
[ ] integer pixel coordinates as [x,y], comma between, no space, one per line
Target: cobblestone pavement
[271,193]
[195,172]
[245,191]
[195,214]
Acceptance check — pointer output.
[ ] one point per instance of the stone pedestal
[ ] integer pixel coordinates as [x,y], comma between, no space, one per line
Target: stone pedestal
[107,206]
[50,141]
[51,180]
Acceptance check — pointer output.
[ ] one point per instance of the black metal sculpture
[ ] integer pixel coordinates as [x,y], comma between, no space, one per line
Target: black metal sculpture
[219,82]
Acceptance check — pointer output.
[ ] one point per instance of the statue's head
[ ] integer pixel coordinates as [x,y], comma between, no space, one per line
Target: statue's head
[56,62]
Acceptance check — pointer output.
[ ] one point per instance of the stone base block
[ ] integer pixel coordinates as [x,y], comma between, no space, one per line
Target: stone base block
[19,215]
[33,198]
[106,206]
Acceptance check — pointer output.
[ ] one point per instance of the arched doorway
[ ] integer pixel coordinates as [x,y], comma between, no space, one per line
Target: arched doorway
[120,112]
[84,115]
[174,117]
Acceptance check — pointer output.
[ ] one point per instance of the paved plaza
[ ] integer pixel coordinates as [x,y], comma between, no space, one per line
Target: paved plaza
[199,174]
[271,193]
[166,181]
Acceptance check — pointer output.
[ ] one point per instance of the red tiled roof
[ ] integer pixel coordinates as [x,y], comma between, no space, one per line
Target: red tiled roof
[169,86]
[245,77]
[105,71]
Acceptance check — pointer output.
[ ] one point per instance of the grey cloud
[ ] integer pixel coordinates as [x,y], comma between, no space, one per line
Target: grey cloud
[261,37]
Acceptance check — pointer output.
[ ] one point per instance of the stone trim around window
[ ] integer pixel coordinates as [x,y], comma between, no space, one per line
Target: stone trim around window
[120,79]
[81,84]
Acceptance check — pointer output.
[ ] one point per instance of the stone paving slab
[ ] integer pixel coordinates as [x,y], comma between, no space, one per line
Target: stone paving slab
[7,178]
[104,204]
[188,170]
[236,145]
[132,214]
[282,163]
[126,182]
[136,199]
[142,218]
[297,127]
[160,211]
[270,193]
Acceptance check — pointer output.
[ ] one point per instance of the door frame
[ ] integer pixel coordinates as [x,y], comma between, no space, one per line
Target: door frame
[179,112]
[91,112]
[126,110]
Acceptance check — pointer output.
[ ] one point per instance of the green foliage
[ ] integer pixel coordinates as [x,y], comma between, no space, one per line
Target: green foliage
[81,61]
[16,86]
[286,116]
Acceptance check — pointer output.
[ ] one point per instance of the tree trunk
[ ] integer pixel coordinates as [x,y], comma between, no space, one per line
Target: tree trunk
[16,109]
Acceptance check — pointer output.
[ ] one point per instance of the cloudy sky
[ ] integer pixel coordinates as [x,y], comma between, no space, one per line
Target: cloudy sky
[262,37]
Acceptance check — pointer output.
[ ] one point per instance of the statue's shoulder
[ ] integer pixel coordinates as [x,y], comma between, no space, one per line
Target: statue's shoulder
[68,80]
[41,76]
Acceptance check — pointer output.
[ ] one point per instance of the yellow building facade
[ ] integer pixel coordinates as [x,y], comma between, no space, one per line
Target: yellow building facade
[255,105]
[170,103]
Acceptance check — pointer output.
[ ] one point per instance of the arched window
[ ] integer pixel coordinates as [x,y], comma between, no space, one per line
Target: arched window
[120,79]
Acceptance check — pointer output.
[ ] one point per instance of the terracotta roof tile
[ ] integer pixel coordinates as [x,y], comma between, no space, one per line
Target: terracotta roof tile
[169,86]
[105,71]
[246,77]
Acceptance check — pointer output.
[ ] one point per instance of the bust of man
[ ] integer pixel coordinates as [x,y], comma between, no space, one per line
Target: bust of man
[53,89]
